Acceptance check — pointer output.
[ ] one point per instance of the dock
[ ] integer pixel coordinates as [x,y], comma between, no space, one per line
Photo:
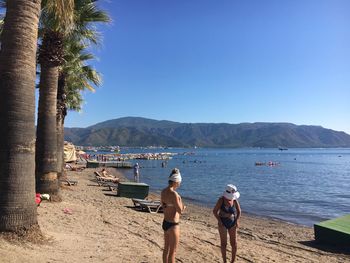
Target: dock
[335,231]
[115,164]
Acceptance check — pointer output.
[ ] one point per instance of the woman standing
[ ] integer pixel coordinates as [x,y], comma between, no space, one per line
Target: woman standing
[172,207]
[227,211]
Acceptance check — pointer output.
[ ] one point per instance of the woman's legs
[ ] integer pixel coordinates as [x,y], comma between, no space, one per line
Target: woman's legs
[171,241]
[166,247]
[223,241]
[233,240]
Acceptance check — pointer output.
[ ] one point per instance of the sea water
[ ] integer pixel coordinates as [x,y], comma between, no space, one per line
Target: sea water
[305,186]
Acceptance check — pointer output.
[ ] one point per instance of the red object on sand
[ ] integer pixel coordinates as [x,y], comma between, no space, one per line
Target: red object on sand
[37,199]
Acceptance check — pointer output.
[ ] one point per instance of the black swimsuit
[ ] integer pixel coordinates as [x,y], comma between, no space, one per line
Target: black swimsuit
[167,225]
[228,222]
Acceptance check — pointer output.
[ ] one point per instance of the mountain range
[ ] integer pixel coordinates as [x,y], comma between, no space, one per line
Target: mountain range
[137,131]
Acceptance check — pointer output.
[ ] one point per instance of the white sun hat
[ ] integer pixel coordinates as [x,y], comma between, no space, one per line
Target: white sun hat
[231,192]
[176,177]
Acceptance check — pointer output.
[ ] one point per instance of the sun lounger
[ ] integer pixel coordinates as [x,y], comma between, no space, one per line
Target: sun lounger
[106,179]
[111,186]
[101,178]
[136,201]
[112,183]
[69,182]
[147,205]
[73,168]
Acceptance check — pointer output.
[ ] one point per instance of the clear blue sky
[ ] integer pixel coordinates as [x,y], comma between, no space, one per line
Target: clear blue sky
[227,61]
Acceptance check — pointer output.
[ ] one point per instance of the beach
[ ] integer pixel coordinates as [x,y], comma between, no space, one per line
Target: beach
[92,224]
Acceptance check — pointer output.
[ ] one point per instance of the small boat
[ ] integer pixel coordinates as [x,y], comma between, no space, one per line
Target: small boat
[259,163]
[282,148]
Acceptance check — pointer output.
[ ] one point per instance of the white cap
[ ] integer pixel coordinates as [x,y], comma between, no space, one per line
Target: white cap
[175,177]
[231,192]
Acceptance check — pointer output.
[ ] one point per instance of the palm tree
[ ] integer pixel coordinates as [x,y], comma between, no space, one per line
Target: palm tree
[75,76]
[17,109]
[51,56]
[56,22]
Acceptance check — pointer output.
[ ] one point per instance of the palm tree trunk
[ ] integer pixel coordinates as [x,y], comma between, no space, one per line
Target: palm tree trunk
[60,147]
[17,115]
[61,113]
[46,142]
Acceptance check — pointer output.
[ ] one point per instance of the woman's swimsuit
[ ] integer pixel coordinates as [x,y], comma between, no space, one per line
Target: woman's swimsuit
[166,224]
[228,222]
[167,205]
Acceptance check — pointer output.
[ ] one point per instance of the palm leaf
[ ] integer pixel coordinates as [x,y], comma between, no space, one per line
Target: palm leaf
[59,14]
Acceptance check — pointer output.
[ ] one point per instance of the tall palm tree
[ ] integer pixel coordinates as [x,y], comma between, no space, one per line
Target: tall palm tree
[56,21]
[17,109]
[75,76]
[51,56]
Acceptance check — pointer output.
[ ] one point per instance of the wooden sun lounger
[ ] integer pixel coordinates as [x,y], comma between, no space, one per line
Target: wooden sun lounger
[147,205]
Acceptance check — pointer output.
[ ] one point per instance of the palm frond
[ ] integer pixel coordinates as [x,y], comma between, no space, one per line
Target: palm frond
[87,15]
[58,14]
[79,32]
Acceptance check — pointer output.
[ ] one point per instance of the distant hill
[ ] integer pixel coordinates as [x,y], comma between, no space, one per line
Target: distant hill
[135,131]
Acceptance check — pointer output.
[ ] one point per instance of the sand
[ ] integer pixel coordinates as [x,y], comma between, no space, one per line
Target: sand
[91,224]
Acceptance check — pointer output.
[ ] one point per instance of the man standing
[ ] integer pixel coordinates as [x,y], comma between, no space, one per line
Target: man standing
[136,173]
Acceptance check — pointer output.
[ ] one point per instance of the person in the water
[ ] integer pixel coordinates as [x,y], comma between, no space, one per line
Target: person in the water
[227,211]
[173,208]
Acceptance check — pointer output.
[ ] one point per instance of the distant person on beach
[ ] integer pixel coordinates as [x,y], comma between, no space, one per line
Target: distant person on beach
[173,208]
[104,172]
[136,172]
[227,211]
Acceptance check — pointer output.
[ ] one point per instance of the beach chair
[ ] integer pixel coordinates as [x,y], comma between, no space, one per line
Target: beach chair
[103,181]
[111,186]
[69,167]
[69,182]
[147,205]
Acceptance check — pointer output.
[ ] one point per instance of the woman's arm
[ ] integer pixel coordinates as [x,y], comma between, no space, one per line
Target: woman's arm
[217,208]
[179,206]
[238,208]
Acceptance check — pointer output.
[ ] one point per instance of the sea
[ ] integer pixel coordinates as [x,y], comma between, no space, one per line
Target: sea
[303,186]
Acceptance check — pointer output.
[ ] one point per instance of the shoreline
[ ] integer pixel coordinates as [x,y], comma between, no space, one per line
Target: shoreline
[100,227]
[197,203]
[188,201]
[249,214]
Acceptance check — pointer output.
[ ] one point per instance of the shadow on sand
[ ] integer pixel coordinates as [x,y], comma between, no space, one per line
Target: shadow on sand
[327,247]
[110,194]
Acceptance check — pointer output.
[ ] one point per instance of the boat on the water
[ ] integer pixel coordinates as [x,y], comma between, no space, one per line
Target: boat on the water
[282,148]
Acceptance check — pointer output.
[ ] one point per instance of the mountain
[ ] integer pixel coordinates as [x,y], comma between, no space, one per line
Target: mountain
[136,131]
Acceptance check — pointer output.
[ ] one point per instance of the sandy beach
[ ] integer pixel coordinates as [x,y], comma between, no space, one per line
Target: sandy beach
[91,224]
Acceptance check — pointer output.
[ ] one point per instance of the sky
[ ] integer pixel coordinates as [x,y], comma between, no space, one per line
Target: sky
[227,61]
